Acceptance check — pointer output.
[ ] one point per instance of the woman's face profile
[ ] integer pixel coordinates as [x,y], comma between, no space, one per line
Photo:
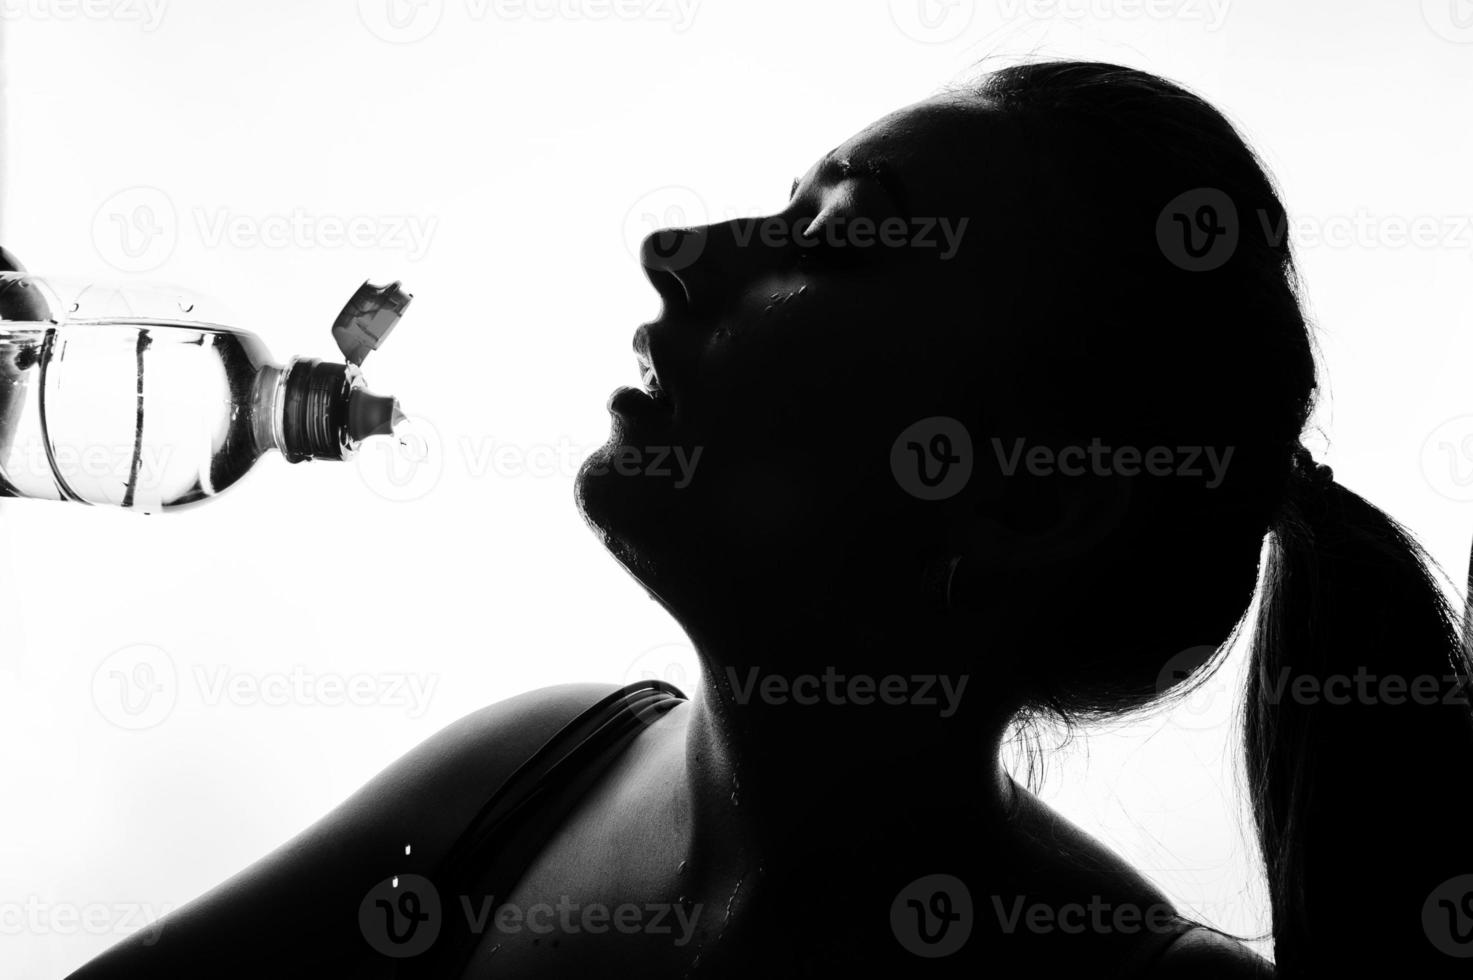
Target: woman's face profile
[790,353]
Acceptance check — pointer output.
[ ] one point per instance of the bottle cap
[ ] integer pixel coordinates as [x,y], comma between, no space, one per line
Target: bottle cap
[365,323]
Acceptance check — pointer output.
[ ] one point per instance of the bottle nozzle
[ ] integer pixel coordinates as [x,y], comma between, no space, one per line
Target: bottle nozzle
[325,411]
[372,415]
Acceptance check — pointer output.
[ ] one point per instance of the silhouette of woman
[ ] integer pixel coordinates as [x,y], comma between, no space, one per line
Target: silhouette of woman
[988,423]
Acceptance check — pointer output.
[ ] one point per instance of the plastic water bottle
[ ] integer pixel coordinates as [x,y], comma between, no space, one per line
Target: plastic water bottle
[109,397]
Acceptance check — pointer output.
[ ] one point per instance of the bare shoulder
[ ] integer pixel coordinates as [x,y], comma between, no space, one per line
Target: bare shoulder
[1064,854]
[1069,859]
[1204,954]
[300,902]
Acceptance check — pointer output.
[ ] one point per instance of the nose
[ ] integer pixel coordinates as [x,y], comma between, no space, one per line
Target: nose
[668,257]
[696,269]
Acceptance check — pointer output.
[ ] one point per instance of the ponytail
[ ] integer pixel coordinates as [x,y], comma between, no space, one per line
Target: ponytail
[1359,740]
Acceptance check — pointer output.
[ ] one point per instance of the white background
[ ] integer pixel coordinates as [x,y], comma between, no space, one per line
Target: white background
[535,143]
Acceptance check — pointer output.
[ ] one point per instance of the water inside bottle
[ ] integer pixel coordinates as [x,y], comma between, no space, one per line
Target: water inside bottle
[136,415]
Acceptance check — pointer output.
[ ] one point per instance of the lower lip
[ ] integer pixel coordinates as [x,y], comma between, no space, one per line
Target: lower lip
[633,403]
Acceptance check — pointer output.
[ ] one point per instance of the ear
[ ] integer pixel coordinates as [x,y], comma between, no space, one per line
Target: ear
[1044,523]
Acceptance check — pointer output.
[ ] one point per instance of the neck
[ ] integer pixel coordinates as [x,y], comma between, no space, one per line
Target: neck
[795,761]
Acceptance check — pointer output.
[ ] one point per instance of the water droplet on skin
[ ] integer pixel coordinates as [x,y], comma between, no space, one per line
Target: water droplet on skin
[75,307]
[734,892]
[395,882]
[734,800]
[185,307]
[680,869]
[767,309]
[802,290]
[407,849]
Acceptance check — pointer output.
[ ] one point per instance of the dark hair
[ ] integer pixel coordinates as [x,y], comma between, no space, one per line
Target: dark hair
[1358,805]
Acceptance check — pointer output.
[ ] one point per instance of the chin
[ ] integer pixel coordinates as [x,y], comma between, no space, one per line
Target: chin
[636,518]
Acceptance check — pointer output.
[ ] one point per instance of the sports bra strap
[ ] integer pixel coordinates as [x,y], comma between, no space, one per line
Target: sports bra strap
[480,869]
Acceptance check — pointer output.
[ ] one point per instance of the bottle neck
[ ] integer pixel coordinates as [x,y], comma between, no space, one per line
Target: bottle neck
[302,409]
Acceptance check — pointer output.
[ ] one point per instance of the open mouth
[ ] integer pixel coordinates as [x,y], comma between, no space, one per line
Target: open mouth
[650,381]
[651,399]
